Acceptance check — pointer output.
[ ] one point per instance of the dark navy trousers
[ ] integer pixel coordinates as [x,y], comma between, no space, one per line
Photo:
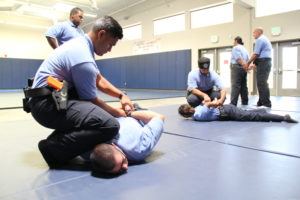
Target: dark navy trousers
[77,130]
[263,68]
[231,112]
[238,84]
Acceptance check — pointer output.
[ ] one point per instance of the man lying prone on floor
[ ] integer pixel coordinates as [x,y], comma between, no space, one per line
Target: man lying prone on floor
[210,112]
[138,135]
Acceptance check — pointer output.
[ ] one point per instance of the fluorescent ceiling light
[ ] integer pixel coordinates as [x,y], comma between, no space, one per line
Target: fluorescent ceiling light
[67,8]
[63,7]
[89,15]
[38,10]
[27,25]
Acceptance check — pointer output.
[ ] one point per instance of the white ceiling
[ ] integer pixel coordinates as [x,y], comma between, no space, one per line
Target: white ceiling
[44,12]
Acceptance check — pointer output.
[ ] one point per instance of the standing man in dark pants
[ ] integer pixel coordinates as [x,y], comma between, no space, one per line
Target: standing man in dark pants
[64,31]
[239,60]
[86,120]
[262,59]
[201,83]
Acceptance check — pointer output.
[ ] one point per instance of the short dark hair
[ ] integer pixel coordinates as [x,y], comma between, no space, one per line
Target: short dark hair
[102,158]
[75,11]
[110,25]
[185,110]
[239,40]
[203,63]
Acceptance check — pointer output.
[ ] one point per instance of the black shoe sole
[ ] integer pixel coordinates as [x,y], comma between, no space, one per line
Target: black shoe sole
[50,160]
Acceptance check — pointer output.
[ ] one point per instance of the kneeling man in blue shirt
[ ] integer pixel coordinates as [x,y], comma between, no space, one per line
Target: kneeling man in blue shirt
[204,85]
[136,139]
[210,112]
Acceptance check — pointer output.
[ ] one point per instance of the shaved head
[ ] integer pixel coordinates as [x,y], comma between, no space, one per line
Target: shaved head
[257,32]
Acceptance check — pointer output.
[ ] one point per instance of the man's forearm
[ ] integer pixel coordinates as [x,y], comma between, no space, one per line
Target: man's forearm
[52,42]
[145,115]
[253,57]
[240,61]
[223,94]
[199,93]
[111,110]
[105,86]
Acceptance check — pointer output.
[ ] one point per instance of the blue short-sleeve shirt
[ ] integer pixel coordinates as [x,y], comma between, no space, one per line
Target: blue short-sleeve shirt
[203,82]
[136,139]
[263,47]
[74,62]
[64,31]
[239,51]
[204,113]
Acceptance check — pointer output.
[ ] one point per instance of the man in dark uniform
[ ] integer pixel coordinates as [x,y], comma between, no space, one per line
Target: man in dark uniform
[86,120]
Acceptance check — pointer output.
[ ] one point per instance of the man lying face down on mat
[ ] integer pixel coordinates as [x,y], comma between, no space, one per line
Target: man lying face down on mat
[209,112]
[136,139]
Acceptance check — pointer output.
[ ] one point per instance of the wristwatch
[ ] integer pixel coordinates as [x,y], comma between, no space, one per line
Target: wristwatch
[122,94]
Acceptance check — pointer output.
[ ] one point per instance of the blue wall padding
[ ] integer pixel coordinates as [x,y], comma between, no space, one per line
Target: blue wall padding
[14,72]
[167,70]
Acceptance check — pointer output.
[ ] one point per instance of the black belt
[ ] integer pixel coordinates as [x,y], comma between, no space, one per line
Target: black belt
[262,59]
[237,65]
[37,92]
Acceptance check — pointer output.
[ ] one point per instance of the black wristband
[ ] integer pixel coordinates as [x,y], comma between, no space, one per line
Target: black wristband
[122,94]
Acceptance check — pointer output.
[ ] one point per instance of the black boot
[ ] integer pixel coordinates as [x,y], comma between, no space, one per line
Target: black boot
[288,119]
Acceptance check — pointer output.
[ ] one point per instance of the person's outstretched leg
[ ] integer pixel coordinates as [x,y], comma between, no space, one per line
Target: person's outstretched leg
[238,114]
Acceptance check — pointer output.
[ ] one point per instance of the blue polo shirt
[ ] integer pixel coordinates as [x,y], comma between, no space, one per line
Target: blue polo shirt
[64,31]
[74,62]
[239,51]
[203,82]
[204,113]
[137,140]
[263,47]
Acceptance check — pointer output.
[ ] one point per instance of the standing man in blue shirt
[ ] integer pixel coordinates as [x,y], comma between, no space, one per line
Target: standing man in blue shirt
[209,112]
[201,83]
[136,139]
[87,120]
[261,57]
[239,61]
[64,31]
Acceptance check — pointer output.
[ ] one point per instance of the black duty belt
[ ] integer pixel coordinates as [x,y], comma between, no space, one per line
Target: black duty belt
[37,92]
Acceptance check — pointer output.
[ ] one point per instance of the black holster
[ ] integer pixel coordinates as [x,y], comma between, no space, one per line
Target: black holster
[60,97]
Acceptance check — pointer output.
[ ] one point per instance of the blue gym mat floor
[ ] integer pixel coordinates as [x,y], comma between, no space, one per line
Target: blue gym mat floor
[223,160]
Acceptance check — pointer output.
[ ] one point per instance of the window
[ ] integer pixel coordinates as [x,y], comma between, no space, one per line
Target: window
[211,16]
[169,24]
[267,7]
[132,32]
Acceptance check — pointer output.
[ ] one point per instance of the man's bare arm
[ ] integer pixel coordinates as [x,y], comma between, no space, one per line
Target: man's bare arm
[116,112]
[201,94]
[52,42]
[146,115]
[105,86]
